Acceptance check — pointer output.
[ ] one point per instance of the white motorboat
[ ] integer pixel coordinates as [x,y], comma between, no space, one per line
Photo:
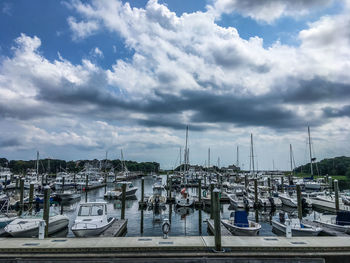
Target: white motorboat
[28,226]
[68,195]
[288,200]
[6,219]
[340,222]
[92,219]
[117,193]
[239,224]
[240,201]
[157,198]
[184,199]
[298,228]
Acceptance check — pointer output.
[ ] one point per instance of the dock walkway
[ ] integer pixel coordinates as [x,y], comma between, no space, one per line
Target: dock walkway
[224,230]
[117,229]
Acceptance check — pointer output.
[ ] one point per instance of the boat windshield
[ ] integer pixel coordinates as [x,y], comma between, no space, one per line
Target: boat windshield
[95,210]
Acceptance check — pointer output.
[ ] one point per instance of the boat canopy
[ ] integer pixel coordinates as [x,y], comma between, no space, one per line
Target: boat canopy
[241,219]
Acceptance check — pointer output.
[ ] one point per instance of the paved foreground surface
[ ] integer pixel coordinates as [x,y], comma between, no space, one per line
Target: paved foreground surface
[194,249]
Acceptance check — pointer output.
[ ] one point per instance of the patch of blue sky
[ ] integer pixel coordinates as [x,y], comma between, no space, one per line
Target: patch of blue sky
[284,29]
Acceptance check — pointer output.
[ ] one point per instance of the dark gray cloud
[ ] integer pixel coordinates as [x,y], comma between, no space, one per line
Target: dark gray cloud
[315,90]
[332,112]
[10,142]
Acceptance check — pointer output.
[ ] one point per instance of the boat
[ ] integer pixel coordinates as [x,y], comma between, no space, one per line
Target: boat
[5,216]
[68,195]
[157,198]
[184,199]
[287,200]
[117,193]
[240,201]
[298,228]
[239,225]
[340,222]
[92,219]
[28,226]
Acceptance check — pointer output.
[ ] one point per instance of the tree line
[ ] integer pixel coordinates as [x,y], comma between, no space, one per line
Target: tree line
[331,166]
[56,165]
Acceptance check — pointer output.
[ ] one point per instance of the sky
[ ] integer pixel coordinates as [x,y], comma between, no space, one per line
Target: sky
[79,78]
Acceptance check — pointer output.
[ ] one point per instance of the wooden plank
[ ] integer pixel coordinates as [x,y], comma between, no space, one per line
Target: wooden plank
[224,230]
[117,229]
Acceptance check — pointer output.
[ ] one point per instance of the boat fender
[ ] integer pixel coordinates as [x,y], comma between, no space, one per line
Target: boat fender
[165,228]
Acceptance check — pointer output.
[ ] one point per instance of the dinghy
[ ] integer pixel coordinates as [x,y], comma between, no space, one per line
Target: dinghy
[239,225]
[92,219]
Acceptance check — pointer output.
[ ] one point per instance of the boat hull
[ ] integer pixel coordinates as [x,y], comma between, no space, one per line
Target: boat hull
[90,232]
[241,231]
[299,232]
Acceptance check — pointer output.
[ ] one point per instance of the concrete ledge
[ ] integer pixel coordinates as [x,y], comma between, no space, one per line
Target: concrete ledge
[332,249]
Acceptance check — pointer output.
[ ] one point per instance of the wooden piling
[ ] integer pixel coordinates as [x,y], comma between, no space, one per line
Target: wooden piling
[142,189]
[336,191]
[123,201]
[21,197]
[211,200]
[200,190]
[63,182]
[217,222]
[282,184]
[46,209]
[31,195]
[300,209]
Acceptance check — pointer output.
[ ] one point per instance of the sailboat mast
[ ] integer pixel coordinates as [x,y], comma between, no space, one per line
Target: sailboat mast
[237,161]
[180,160]
[308,130]
[252,150]
[37,165]
[186,148]
[291,162]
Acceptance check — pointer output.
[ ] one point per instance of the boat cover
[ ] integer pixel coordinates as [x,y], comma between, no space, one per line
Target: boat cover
[343,218]
[241,219]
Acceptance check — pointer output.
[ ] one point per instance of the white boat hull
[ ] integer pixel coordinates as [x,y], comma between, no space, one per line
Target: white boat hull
[308,231]
[90,232]
[242,231]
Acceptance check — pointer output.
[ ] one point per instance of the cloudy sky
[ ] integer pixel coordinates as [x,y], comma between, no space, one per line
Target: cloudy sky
[79,78]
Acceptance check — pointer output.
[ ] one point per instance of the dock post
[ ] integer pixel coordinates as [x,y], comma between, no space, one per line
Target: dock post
[282,184]
[123,201]
[336,191]
[21,202]
[300,209]
[255,192]
[46,209]
[200,191]
[200,221]
[211,200]
[142,189]
[42,180]
[16,182]
[167,185]
[217,221]
[205,180]
[246,181]
[46,179]
[86,186]
[74,181]
[170,211]
[170,188]
[330,184]
[63,182]
[31,195]
[141,224]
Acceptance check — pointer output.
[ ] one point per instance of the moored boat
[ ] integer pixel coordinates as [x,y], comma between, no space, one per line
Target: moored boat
[239,225]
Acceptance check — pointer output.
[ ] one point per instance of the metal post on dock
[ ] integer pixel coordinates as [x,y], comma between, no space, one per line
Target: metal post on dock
[46,209]
[86,186]
[31,195]
[300,209]
[336,191]
[21,202]
[282,184]
[123,201]
[217,221]
[211,200]
[200,191]
[255,192]
[142,189]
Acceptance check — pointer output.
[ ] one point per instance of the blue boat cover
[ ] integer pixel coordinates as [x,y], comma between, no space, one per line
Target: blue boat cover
[241,219]
[343,218]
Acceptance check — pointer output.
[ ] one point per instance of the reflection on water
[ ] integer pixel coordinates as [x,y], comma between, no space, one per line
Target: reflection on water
[184,221]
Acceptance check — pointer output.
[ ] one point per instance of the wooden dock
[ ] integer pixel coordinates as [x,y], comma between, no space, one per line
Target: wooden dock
[224,230]
[117,229]
[326,231]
